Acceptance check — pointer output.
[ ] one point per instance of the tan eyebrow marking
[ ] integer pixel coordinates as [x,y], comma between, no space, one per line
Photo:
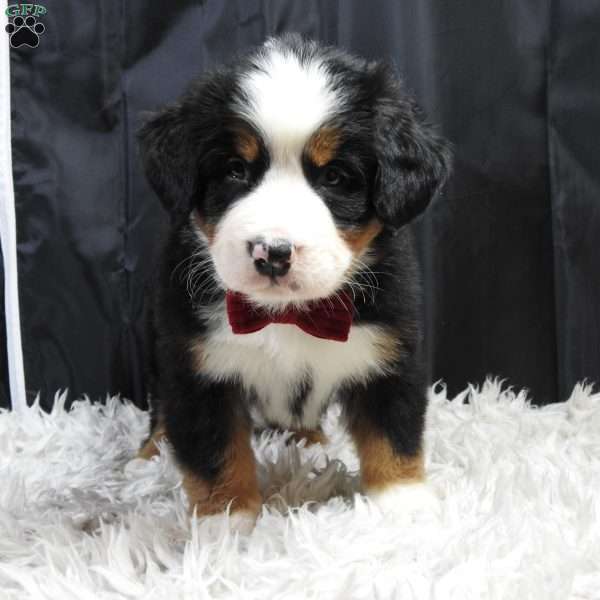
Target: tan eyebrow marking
[246,144]
[322,145]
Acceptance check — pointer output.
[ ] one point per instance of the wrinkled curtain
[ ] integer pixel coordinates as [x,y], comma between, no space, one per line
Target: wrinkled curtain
[510,258]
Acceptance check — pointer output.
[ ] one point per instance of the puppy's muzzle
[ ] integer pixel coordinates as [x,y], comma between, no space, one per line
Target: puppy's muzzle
[271,259]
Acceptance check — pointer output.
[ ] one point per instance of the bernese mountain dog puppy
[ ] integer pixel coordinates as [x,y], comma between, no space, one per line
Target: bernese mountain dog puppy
[289,278]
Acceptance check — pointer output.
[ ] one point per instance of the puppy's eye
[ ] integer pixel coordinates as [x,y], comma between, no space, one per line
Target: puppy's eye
[237,169]
[333,176]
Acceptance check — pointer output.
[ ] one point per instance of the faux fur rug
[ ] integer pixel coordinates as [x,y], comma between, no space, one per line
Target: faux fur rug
[519,513]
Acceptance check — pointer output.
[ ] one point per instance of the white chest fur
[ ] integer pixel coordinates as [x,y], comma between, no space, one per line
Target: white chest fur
[273,362]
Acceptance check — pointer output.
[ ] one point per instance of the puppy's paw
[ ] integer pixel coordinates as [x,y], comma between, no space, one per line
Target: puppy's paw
[405,501]
[239,521]
[242,522]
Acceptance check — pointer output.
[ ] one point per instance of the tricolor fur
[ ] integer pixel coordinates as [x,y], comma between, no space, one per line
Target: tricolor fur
[306,144]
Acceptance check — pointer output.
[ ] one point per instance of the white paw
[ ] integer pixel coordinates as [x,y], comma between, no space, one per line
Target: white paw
[240,521]
[406,501]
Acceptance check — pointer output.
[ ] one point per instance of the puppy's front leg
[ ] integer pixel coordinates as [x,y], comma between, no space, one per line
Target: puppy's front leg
[386,419]
[210,435]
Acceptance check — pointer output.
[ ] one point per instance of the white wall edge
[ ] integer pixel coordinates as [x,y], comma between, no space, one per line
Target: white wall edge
[8,233]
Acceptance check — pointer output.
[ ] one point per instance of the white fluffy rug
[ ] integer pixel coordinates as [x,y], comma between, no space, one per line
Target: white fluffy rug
[519,517]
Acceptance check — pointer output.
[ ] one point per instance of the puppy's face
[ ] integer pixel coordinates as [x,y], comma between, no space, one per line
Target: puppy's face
[289,164]
[293,194]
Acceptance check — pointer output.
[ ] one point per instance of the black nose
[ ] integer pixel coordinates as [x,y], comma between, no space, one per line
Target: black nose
[280,251]
[271,259]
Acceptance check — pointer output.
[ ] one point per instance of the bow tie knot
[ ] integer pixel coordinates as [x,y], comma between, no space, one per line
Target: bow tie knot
[327,318]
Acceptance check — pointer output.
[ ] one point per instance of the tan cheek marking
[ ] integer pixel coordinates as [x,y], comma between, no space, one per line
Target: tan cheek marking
[380,465]
[247,146]
[206,228]
[359,238]
[322,146]
[237,482]
[150,448]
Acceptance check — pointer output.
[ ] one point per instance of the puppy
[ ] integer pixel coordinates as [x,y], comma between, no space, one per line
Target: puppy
[289,279]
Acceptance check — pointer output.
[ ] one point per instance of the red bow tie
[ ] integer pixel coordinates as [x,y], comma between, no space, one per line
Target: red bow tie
[328,319]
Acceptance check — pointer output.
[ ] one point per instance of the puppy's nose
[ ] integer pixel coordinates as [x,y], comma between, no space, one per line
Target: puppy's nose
[280,251]
[271,259]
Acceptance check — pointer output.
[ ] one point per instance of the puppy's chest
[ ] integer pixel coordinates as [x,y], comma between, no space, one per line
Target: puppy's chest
[289,376]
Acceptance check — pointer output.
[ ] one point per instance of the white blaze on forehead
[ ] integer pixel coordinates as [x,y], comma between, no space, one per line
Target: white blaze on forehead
[288,100]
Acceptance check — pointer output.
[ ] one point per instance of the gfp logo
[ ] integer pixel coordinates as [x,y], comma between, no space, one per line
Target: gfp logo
[25,29]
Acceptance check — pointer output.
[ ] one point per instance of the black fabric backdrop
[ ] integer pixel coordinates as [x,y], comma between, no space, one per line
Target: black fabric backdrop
[509,253]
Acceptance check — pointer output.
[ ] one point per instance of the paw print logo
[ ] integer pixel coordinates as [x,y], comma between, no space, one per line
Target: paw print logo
[25,32]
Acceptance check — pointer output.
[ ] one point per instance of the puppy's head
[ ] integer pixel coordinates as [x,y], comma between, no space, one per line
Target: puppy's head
[289,164]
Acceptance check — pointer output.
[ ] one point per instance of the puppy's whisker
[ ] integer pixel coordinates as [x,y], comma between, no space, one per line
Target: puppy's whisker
[353,285]
[180,264]
[365,288]
[207,287]
[349,284]
[196,273]
[197,284]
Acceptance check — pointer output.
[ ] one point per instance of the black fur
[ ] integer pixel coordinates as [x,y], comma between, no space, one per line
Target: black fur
[299,396]
[391,163]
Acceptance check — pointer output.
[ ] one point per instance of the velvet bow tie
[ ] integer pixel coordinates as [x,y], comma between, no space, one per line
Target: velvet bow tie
[328,318]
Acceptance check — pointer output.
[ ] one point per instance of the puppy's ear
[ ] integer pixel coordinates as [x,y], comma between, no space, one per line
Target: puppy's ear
[167,159]
[413,162]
